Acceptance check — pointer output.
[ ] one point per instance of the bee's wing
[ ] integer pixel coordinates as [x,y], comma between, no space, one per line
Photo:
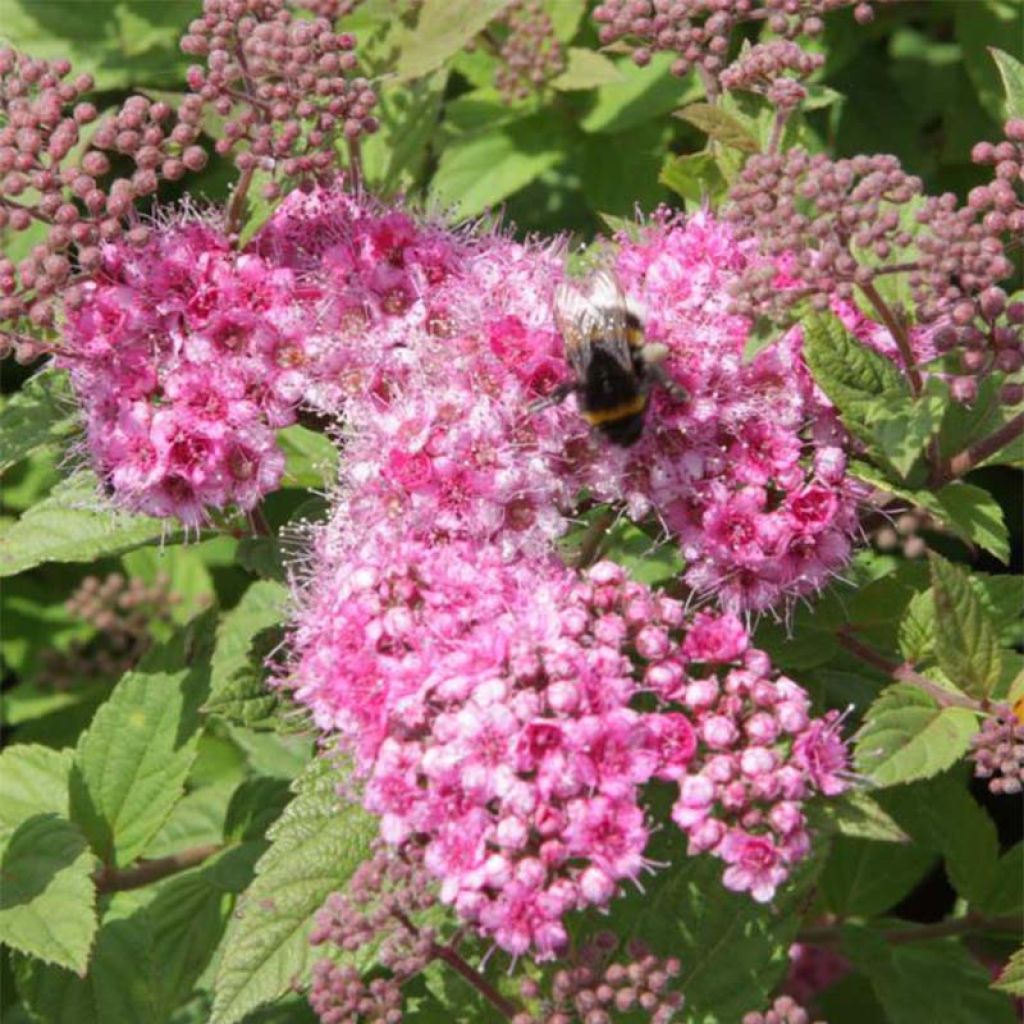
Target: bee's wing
[586,317]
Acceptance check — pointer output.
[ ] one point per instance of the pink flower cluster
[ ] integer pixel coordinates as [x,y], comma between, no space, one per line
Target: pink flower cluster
[761,508]
[493,710]
[430,347]
[183,356]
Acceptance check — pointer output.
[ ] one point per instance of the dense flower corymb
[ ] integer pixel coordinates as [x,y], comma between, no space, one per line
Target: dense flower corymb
[182,354]
[495,711]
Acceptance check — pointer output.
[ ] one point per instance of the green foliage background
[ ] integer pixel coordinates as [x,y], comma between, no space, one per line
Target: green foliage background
[205,756]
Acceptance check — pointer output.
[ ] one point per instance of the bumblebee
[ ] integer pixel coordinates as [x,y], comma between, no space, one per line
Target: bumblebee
[613,364]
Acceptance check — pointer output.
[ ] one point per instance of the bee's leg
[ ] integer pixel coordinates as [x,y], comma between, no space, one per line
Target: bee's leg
[660,376]
[559,395]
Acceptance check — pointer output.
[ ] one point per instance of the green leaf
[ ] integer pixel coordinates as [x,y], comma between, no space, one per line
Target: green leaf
[185,571]
[122,43]
[977,516]
[643,95]
[245,698]
[906,735]
[40,413]
[924,982]
[1012,73]
[1011,977]
[720,126]
[395,155]
[47,899]
[917,628]
[586,69]
[479,171]
[131,764]
[733,950]
[966,641]
[694,176]
[941,815]
[858,816]
[54,995]
[315,846]
[33,780]
[849,372]
[311,459]
[901,427]
[864,878]
[73,526]
[442,29]
[238,690]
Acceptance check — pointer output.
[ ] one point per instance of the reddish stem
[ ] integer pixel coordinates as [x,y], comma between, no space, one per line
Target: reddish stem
[145,872]
[898,331]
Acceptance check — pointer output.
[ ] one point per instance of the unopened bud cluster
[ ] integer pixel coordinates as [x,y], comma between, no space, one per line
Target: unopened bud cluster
[785,1010]
[592,990]
[773,70]
[833,228]
[283,85]
[998,752]
[122,612]
[44,178]
[376,911]
[698,31]
[530,54]
[904,533]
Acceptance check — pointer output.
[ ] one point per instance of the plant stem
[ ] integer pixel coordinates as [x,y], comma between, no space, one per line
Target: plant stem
[898,330]
[904,673]
[963,462]
[260,526]
[236,207]
[591,543]
[504,1006]
[145,872]
[450,956]
[829,934]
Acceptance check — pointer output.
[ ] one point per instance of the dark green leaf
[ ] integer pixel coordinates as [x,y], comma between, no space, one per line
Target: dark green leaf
[858,816]
[864,878]
[925,982]
[941,815]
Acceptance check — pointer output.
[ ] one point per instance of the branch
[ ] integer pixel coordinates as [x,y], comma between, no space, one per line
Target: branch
[829,934]
[450,956]
[504,1006]
[963,462]
[898,331]
[903,672]
[145,872]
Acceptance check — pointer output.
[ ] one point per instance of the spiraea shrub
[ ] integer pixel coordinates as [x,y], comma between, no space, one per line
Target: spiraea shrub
[511,512]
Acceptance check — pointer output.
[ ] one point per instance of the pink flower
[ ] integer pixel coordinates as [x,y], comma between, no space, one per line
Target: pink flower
[716,640]
[754,865]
